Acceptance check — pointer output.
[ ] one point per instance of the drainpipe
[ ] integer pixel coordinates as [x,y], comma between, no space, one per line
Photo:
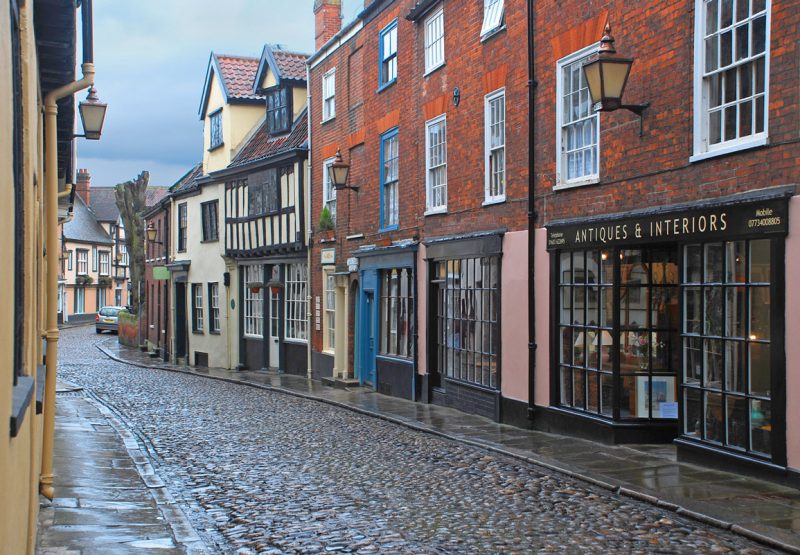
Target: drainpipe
[51,222]
[531,219]
[307,192]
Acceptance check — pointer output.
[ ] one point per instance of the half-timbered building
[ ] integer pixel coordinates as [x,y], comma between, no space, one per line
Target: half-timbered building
[266,224]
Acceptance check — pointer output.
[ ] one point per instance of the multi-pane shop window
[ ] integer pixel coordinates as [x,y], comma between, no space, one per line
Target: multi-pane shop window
[254,301]
[492,16]
[390,156]
[397,308]
[727,383]
[618,318]
[197,307]
[436,164]
[296,302]
[495,146]
[330,311]
[388,54]
[578,125]
[731,59]
[213,307]
[468,332]
[83,261]
[329,95]
[434,40]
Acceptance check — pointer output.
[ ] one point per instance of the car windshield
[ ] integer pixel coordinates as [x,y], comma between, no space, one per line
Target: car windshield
[109,311]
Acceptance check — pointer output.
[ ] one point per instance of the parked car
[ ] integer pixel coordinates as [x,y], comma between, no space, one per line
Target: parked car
[108,319]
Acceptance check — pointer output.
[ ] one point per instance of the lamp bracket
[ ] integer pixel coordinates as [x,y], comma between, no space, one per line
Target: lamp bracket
[637,109]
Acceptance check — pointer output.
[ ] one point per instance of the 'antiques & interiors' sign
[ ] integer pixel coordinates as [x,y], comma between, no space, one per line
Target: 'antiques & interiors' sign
[719,222]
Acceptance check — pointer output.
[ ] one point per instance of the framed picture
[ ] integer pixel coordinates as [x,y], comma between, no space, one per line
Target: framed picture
[663,397]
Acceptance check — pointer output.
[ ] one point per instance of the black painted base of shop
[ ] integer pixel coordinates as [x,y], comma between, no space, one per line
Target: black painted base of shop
[296,359]
[321,365]
[514,413]
[467,399]
[559,421]
[395,378]
[721,459]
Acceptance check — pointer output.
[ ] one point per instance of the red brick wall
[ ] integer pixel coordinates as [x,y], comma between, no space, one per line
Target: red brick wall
[327,20]
[155,256]
[654,169]
[363,114]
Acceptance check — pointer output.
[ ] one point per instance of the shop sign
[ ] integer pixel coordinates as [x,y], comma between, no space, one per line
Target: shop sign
[328,256]
[720,222]
[352,264]
[160,273]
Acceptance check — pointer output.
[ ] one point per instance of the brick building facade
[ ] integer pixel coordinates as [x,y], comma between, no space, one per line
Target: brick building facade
[424,277]
[664,254]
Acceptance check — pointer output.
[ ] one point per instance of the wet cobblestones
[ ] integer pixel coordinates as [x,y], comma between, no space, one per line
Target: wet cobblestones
[262,472]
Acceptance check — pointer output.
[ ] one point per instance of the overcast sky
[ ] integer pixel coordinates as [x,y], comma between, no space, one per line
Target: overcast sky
[151,58]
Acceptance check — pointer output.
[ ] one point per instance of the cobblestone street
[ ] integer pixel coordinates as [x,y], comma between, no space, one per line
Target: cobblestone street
[261,472]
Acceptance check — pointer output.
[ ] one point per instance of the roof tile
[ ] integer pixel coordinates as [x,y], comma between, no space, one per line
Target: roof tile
[239,72]
[263,145]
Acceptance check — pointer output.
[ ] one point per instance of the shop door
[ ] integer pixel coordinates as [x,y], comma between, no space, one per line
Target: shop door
[180,320]
[368,335]
[274,330]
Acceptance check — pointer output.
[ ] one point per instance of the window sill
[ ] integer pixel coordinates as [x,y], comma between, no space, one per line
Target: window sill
[198,332]
[577,183]
[493,201]
[388,229]
[327,120]
[496,31]
[216,147]
[210,240]
[730,149]
[385,86]
[329,352]
[21,399]
[435,211]
[434,69]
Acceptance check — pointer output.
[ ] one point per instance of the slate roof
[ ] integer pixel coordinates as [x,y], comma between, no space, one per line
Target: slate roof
[263,145]
[154,195]
[188,182]
[104,204]
[84,227]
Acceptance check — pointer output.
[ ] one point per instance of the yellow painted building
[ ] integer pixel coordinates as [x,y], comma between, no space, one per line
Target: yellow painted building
[37,61]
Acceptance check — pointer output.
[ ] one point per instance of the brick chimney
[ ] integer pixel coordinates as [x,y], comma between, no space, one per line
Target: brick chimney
[83,185]
[327,20]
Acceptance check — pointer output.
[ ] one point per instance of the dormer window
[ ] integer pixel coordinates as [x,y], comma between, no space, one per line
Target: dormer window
[278,106]
[215,129]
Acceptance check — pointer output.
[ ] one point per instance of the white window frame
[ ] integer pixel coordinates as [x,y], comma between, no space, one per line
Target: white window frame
[489,149]
[105,262]
[492,17]
[213,307]
[329,305]
[197,307]
[434,43]
[561,158]
[82,261]
[328,190]
[253,302]
[80,300]
[439,209]
[295,310]
[329,95]
[701,149]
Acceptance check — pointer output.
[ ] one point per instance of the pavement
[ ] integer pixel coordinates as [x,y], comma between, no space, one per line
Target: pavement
[759,510]
[107,496]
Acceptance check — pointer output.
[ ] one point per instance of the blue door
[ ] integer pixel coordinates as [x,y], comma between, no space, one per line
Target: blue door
[369,337]
[367,328]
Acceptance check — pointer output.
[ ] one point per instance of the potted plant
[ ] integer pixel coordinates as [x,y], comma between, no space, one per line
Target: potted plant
[84,280]
[104,282]
[326,225]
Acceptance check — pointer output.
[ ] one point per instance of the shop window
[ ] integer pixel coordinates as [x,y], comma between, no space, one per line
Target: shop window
[253,301]
[397,305]
[727,337]
[467,326]
[731,75]
[296,302]
[618,323]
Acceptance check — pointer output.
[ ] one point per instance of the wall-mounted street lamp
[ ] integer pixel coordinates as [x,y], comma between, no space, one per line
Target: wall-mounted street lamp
[93,113]
[339,172]
[607,76]
[152,233]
